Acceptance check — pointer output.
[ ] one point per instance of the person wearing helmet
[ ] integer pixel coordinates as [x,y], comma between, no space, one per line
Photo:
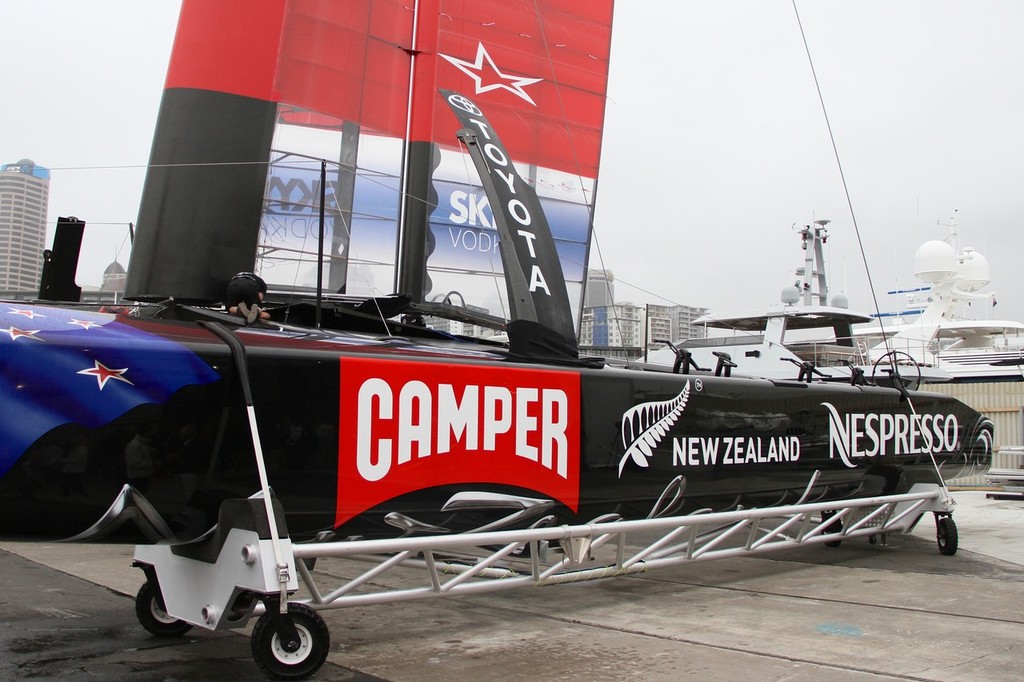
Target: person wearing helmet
[245,297]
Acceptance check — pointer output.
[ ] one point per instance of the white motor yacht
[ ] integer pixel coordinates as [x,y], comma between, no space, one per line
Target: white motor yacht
[804,338]
[939,333]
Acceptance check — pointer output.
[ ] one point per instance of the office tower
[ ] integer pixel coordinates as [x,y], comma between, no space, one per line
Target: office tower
[600,290]
[24,197]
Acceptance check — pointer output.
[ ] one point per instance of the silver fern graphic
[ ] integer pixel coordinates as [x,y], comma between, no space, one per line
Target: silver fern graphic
[644,425]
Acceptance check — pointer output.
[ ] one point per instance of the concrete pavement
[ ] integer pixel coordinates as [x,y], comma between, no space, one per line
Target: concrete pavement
[857,612]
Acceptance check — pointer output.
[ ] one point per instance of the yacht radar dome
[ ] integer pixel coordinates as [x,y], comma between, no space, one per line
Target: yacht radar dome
[840,301]
[935,261]
[790,295]
[973,271]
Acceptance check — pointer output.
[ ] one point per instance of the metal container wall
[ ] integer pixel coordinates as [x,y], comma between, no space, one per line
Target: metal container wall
[1003,403]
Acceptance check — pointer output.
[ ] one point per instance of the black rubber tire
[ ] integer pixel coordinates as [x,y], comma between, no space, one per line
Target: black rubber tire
[835,527]
[153,618]
[946,535]
[278,664]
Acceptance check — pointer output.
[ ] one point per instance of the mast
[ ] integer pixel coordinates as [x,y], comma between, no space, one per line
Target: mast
[813,272]
[418,163]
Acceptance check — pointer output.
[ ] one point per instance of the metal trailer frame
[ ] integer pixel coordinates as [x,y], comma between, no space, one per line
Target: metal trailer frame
[497,561]
[291,641]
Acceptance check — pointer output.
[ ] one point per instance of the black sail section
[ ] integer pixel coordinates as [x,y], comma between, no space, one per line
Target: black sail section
[200,212]
[542,325]
[420,200]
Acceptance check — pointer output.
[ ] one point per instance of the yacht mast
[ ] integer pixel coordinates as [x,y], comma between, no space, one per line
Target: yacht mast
[813,272]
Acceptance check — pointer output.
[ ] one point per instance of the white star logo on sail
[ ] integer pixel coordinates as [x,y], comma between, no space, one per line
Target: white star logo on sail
[104,374]
[499,81]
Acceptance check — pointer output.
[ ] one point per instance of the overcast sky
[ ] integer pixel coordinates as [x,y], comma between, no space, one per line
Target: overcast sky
[715,144]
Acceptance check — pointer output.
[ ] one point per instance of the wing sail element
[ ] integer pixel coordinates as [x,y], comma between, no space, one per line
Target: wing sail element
[254,100]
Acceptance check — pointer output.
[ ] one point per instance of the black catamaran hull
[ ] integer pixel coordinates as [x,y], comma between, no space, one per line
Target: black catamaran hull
[370,435]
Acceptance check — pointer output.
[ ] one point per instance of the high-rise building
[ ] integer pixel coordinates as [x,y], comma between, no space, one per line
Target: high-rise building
[612,330]
[673,323]
[600,289]
[24,198]
[619,330]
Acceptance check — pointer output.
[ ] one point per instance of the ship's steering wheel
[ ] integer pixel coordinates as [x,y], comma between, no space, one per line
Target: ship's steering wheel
[894,359]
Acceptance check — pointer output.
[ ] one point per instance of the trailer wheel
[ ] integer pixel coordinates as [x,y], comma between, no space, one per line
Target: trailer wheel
[152,615]
[270,654]
[836,527]
[946,535]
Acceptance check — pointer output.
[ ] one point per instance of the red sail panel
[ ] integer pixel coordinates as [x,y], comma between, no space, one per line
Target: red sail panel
[540,68]
[344,59]
[347,59]
[227,47]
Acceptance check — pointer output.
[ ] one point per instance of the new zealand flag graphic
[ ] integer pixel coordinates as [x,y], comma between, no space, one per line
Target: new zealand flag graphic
[60,366]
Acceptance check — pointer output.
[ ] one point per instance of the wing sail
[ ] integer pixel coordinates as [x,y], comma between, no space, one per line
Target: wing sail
[254,101]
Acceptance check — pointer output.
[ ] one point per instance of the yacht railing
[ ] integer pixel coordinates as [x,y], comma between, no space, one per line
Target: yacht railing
[715,341]
[829,354]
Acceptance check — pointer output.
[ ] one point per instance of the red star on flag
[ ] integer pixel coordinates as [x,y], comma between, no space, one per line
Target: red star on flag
[84,324]
[104,374]
[30,314]
[22,333]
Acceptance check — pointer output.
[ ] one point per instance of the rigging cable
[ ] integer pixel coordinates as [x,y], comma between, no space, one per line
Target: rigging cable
[860,243]
[842,175]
